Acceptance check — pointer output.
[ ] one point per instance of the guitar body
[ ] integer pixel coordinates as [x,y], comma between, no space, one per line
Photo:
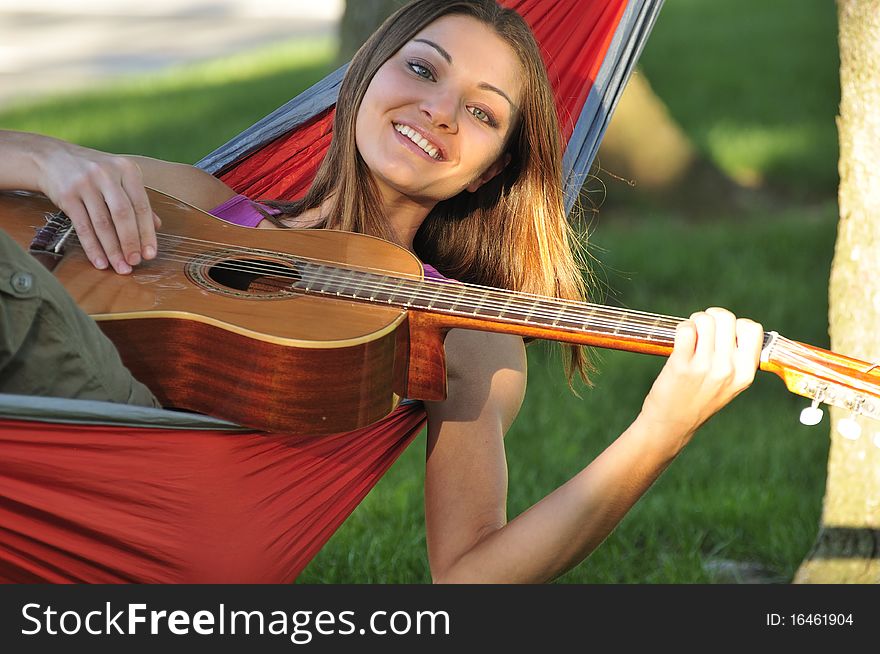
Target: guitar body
[206,339]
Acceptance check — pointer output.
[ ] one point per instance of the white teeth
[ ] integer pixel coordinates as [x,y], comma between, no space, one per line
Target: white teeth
[419,140]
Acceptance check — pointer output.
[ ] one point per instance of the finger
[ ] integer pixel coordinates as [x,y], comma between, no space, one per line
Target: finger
[144,216]
[79,216]
[725,332]
[749,341]
[124,221]
[705,349]
[685,341]
[105,231]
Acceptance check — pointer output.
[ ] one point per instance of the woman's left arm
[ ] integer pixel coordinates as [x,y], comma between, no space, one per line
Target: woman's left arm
[469,539]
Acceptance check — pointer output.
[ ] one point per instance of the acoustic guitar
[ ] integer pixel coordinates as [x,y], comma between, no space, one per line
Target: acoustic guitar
[323,331]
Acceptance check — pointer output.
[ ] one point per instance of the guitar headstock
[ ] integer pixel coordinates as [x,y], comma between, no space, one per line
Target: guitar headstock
[826,378]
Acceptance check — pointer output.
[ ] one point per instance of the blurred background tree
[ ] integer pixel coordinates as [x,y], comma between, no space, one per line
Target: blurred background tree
[359,20]
[847,549]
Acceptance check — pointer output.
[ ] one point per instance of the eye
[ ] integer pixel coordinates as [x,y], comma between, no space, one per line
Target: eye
[483,116]
[421,70]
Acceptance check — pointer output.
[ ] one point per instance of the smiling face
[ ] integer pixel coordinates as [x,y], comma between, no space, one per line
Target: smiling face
[436,116]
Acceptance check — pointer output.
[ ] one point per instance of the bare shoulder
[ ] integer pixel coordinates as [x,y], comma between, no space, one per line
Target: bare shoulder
[306,220]
[188,183]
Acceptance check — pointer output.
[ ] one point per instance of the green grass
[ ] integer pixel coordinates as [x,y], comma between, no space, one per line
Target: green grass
[754,85]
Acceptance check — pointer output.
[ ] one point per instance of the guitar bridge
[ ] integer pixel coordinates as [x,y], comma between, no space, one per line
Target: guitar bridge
[48,244]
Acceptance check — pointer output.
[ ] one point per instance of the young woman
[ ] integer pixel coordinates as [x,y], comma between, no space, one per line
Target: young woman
[445,142]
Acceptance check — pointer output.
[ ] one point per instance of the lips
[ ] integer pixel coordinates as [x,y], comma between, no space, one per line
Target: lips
[417,138]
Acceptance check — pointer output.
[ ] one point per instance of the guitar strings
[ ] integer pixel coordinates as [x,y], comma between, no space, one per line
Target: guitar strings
[502,293]
[507,297]
[795,355]
[596,313]
[509,305]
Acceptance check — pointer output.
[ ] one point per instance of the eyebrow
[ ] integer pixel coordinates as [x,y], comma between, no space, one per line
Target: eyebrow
[448,58]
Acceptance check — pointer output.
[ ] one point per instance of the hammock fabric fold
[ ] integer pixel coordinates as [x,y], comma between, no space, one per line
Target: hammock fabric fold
[90,492]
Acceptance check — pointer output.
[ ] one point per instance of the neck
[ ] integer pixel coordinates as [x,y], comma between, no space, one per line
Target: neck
[405,214]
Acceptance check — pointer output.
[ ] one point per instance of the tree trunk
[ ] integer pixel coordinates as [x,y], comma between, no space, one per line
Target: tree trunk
[359,20]
[647,148]
[847,549]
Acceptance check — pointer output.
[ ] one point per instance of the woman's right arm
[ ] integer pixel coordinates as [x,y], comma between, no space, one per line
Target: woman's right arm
[103,194]
[469,538]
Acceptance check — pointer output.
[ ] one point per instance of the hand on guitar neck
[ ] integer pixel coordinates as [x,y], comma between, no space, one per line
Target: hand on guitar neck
[714,359]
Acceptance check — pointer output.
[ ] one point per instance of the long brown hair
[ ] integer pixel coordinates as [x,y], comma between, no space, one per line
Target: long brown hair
[512,233]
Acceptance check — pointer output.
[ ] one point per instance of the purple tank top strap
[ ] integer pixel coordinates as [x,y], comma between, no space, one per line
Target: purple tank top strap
[241,210]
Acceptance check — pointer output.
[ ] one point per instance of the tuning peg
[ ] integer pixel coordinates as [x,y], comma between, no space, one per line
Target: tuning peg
[849,428]
[812,415]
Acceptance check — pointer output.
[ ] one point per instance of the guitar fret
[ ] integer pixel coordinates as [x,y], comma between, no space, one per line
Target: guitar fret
[360,278]
[570,323]
[311,281]
[394,292]
[590,324]
[619,324]
[561,312]
[523,313]
[382,290]
[375,292]
[437,291]
[476,309]
[462,292]
[340,283]
[655,326]
[442,300]
[504,309]
[528,314]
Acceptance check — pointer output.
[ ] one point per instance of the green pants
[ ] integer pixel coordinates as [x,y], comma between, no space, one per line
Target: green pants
[48,345]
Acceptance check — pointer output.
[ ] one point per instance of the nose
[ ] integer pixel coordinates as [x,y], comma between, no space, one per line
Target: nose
[441,110]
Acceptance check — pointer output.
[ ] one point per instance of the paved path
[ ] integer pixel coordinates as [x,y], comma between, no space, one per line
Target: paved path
[51,46]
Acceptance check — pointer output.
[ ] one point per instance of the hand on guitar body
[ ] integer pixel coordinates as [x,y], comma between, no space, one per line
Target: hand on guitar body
[714,359]
[103,194]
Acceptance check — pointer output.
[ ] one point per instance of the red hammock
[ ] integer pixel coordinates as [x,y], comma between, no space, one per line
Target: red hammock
[90,503]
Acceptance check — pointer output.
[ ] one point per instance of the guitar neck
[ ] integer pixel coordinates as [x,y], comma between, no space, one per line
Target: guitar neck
[456,305]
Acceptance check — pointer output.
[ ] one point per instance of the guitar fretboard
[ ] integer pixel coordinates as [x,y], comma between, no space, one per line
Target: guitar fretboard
[483,303]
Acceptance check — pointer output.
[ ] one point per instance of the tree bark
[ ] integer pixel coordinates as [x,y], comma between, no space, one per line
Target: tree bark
[359,20]
[846,549]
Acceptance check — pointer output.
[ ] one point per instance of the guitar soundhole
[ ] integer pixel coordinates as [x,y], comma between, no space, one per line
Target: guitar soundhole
[253,275]
[246,278]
